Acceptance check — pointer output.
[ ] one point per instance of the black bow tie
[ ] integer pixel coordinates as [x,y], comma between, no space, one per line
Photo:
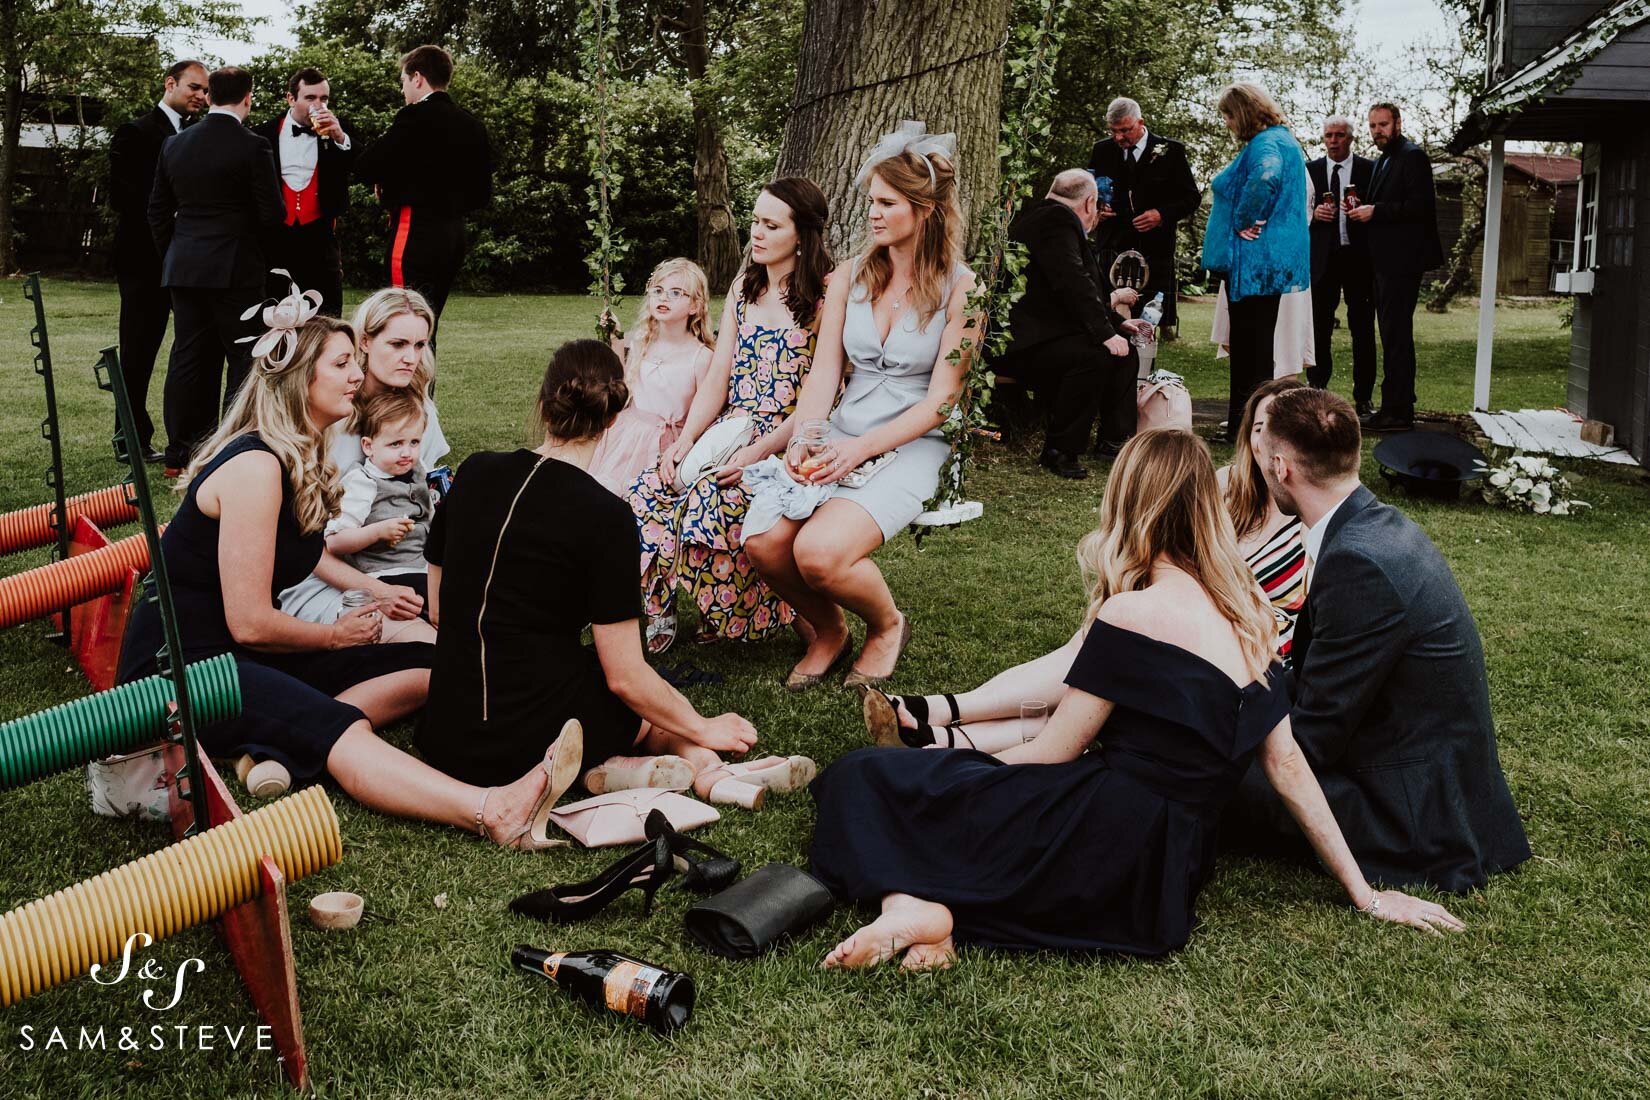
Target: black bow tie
[299,129]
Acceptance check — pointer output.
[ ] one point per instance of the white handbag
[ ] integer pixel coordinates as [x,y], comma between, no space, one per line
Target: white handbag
[713,449]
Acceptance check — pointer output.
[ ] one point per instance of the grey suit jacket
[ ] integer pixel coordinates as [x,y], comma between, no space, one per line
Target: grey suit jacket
[1392,710]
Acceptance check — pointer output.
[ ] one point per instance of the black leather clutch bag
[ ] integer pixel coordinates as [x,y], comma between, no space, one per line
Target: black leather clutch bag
[752,915]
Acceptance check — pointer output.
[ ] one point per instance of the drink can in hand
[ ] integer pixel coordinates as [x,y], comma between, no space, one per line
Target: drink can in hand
[440,481]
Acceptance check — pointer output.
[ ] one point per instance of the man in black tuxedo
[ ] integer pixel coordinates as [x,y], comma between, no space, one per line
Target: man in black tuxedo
[1066,329]
[144,303]
[432,167]
[1392,705]
[1340,262]
[313,154]
[1401,210]
[1152,191]
[215,197]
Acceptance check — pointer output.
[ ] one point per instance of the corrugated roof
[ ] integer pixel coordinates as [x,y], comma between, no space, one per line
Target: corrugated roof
[1548,167]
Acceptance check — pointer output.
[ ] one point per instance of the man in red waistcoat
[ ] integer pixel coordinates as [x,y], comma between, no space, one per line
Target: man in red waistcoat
[313,153]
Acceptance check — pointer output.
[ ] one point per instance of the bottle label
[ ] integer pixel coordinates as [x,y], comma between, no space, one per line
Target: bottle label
[628,986]
[552,964]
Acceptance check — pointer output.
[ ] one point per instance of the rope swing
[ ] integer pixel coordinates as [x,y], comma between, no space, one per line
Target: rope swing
[598,34]
[1029,78]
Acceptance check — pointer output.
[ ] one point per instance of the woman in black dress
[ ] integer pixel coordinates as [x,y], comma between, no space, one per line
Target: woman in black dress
[256,498]
[525,551]
[1046,846]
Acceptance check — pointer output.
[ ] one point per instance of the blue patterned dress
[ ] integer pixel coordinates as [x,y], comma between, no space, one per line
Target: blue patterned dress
[693,542]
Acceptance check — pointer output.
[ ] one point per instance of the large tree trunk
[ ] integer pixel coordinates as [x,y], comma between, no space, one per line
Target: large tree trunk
[867,64]
[11,129]
[718,239]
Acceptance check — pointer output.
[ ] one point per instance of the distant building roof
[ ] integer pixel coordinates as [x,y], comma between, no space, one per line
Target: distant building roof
[1548,167]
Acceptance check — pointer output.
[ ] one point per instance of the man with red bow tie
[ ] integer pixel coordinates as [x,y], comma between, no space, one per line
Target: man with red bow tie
[313,154]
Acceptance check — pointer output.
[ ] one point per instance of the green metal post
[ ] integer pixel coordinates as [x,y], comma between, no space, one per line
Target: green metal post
[157,589]
[49,430]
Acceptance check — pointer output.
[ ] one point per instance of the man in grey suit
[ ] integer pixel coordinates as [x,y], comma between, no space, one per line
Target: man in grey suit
[215,194]
[1392,706]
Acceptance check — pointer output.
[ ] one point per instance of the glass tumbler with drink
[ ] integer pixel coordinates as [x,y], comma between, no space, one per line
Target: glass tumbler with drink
[1033,717]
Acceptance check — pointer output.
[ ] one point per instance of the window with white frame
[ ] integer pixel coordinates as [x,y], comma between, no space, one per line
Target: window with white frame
[1496,33]
[1585,254]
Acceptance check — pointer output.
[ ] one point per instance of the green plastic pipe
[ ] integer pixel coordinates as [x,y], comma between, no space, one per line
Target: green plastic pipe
[112,721]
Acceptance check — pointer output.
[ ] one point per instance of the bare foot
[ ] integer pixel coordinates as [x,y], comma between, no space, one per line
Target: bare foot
[931,956]
[882,651]
[905,920]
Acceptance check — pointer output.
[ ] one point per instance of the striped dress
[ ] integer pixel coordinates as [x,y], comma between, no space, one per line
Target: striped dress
[1279,564]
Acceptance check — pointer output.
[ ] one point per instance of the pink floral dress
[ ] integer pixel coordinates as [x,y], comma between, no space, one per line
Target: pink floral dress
[692,542]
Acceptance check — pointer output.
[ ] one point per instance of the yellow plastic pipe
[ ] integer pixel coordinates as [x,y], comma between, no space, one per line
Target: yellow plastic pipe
[61,936]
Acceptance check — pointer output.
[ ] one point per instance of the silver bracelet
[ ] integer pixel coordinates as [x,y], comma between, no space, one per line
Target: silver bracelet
[1374,904]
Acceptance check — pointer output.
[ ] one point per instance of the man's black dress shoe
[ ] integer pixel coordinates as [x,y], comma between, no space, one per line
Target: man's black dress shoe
[1366,409]
[1383,421]
[1062,464]
[150,455]
[1107,450]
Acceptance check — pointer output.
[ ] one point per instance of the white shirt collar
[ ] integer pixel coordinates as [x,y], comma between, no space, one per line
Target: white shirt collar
[427,95]
[1139,149]
[177,119]
[1345,164]
[1313,539]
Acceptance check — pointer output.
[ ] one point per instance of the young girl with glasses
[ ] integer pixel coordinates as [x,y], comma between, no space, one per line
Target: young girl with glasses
[668,352]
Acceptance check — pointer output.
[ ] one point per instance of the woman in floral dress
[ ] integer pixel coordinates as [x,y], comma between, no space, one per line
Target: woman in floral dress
[692,540]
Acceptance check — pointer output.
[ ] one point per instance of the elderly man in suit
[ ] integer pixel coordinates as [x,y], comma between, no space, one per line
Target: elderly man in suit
[144,303]
[1340,262]
[215,196]
[1152,192]
[1392,705]
[1069,343]
[432,167]
[1401,211]
[313,152]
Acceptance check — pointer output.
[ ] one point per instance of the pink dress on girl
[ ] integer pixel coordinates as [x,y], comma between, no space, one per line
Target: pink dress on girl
[659,404]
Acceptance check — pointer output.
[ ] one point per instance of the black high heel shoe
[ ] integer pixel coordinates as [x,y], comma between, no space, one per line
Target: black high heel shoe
[647,867]
[714,873]
[882,721]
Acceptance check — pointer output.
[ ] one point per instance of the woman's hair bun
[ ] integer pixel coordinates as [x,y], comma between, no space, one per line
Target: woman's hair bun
[583,390]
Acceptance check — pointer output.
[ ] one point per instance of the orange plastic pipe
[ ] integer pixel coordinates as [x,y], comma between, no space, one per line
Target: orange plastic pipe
[39,592]
[59,937]
[28,528]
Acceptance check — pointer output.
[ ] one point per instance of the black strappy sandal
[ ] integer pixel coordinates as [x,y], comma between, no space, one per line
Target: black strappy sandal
[882,721]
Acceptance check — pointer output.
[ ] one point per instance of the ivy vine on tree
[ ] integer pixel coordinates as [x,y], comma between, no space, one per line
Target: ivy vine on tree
[598,37]
[1027,94]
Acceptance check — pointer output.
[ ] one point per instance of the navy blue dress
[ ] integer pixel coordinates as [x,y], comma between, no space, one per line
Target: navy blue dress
[1106,852]
[288,712]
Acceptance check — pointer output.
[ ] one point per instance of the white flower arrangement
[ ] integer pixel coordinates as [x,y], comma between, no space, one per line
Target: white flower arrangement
[1529,483]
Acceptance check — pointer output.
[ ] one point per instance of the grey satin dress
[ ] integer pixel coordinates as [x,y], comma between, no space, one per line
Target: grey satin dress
[888,377]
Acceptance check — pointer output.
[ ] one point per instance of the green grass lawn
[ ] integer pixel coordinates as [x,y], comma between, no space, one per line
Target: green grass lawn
[1283,990]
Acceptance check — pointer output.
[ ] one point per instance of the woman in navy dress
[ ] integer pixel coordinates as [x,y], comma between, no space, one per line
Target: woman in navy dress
[257,497]
[1045,845]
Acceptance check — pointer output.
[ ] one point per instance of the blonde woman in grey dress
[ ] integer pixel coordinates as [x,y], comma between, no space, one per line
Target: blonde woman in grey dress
[893,316]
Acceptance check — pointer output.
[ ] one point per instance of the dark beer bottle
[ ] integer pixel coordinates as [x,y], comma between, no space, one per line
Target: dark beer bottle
[662,999]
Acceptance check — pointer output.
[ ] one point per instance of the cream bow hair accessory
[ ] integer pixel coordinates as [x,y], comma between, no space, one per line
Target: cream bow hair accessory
[282,318]
[911,137]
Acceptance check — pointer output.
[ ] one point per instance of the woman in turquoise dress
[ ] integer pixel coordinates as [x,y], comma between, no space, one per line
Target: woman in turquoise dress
[691,538]
[895,314]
